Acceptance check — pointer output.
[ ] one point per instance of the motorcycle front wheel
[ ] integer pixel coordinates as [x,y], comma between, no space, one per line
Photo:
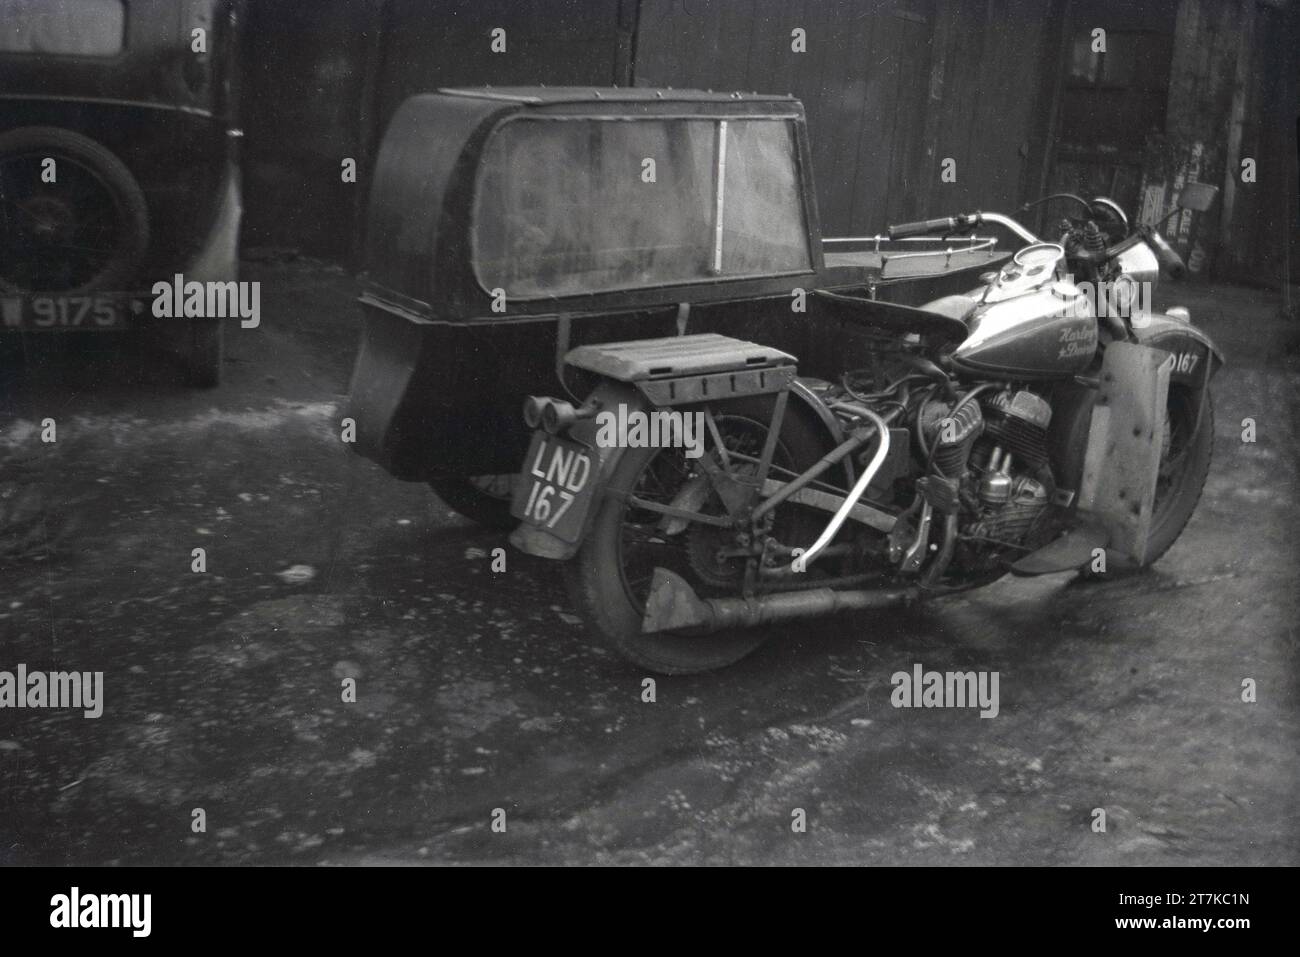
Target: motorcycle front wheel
[1186,449]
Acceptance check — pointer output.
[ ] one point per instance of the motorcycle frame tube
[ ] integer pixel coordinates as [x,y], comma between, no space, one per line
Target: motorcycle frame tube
[859,489]
[609,393]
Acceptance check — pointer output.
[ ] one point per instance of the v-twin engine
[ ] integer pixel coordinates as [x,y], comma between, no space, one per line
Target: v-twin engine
[995,450]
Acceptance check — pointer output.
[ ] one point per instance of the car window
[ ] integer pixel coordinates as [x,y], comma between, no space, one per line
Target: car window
[93,28]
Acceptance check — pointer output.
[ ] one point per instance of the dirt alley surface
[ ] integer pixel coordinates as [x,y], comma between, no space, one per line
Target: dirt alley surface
[480,690]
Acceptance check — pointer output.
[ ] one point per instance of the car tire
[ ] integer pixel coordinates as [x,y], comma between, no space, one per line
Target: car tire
[127,198]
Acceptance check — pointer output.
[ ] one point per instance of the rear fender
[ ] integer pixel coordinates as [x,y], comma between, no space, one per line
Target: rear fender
[610,394]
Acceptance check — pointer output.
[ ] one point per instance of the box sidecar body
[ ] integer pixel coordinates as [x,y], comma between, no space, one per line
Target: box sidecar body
[508,226]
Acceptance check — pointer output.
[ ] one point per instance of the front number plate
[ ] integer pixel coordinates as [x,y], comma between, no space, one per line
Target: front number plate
[559,484]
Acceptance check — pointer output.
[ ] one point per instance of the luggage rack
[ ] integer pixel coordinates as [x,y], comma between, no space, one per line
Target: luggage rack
[911,256]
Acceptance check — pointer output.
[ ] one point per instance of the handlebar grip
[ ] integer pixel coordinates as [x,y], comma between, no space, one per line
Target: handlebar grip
[1173,262]
[923,227]
[1167,255]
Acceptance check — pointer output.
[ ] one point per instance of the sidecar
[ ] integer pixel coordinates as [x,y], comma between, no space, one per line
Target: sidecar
[507,227]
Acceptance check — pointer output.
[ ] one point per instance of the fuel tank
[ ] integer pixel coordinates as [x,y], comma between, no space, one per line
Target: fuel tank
[1044,334]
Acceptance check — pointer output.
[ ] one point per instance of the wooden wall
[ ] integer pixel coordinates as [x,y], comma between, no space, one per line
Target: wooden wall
[891,87]
[322,79]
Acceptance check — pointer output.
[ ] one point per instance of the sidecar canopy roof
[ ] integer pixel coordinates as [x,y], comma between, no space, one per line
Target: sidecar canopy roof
[508,202]
[538,95]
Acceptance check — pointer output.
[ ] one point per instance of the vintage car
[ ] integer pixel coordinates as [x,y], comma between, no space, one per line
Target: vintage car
[118,166]
[507,227]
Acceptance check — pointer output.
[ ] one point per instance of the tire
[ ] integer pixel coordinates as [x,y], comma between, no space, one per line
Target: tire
[481,499]
[204,353]
[598,586]
[32,224]
[1174,507]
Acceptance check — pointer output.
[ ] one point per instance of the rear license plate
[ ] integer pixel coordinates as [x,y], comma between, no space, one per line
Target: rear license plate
[559,484]
[91,312]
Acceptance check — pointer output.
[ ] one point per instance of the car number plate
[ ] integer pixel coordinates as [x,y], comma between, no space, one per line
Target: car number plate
[559,484]
[69,312]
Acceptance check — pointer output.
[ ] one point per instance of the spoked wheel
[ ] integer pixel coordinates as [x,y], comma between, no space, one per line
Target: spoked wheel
[609,580]
[484,499]
[72,217]
[1184,464]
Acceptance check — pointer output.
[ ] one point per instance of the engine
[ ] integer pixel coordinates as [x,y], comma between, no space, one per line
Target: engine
[969,470]
[992,450]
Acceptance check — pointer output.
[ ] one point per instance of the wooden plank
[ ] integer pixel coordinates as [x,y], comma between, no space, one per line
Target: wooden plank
[876,118]
[907,168]
[840,32]
[1124,443]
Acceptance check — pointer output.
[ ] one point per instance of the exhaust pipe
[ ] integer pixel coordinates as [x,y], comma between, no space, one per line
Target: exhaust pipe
[534,407]
[673,605]
[553,415]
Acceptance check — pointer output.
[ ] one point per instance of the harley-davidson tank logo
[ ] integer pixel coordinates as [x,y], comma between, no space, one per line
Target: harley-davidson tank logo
[1078,339]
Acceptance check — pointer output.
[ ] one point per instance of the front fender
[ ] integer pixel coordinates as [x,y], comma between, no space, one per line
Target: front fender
[1196,358]
[1072,402]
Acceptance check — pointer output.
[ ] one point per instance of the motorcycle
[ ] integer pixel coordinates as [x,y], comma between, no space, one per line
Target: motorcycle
[1045,421]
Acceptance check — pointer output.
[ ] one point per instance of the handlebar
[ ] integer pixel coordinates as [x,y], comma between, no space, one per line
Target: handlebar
[924,227]
[949,224]
[1167,255]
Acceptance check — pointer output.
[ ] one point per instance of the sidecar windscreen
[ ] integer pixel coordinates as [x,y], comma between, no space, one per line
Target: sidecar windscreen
[565,206]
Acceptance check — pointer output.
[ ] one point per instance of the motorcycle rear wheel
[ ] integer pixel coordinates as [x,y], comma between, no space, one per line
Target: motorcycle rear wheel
[610,596]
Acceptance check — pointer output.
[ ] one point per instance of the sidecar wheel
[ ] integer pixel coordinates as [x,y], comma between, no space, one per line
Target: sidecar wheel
[610,597]
[484,499]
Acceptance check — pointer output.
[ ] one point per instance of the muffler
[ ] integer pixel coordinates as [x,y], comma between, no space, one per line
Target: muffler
[554,415]
[673,605]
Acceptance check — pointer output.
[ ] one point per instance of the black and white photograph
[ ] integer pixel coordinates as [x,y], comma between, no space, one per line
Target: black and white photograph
[642,433]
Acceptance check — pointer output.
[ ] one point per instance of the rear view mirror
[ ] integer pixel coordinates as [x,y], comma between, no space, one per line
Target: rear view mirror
[1198,197]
